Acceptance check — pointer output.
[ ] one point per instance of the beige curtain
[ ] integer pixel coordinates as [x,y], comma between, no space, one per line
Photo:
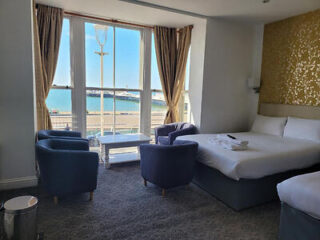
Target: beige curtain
[47,34]
[172,59]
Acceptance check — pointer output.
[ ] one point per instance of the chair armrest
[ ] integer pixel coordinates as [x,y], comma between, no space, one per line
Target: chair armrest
[70,144]
[44,134]
[163,130]
[68,138]
[65,133]
[182,132]
[77,156]
[163,154]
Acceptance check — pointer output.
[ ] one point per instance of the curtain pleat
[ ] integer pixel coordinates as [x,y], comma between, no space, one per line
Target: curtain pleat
[47,34]
[172,57]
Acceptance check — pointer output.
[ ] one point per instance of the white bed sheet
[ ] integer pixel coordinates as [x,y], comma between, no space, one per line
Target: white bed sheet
[302,192]
[266,155]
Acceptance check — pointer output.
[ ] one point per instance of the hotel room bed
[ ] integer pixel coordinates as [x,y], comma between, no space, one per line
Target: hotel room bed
[247,178]
[266,155]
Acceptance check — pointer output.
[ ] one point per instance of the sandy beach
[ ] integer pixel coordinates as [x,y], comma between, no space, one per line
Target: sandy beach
[124,120]
[127,122]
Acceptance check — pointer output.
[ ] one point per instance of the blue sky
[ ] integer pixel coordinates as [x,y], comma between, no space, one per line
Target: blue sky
[127,59]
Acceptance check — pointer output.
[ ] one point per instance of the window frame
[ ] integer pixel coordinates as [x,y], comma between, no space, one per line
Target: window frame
[54,86]
[78,71]
[114,89]
[67,87]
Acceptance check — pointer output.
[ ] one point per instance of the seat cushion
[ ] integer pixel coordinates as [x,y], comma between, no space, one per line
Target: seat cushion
[163,140]
[302,192]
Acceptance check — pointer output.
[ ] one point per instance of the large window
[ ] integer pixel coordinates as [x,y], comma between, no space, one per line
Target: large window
[59,98]
[102,84]
[113,82]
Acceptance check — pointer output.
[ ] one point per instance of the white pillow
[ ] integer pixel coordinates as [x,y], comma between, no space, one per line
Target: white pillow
[269,125]
[308,129]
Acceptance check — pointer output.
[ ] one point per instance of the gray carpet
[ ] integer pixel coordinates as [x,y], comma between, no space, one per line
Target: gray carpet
[124,209]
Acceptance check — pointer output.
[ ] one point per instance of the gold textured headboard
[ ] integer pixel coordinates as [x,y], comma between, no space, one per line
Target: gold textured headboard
[290,64]
[284,110]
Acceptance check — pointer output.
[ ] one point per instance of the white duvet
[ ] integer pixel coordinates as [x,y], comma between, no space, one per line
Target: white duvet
[266,155]
[302,192]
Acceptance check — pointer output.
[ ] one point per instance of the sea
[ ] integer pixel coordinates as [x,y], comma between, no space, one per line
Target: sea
[60,101]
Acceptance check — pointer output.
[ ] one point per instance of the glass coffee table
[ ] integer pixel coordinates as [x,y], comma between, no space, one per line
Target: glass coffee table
[121,141]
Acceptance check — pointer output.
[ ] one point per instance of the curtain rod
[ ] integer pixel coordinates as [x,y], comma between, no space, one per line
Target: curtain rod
[109,20]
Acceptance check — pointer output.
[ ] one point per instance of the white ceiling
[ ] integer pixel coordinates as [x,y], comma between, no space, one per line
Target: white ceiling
[119,10]
[247,10]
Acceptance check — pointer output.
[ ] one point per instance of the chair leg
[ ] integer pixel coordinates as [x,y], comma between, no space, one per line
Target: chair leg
[91,196]
[55,200]
[163,192]
[145,182]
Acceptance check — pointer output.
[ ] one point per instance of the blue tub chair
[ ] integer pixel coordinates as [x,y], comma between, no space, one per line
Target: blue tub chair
[66,167]
[168,166]
[49,134]
[167,133]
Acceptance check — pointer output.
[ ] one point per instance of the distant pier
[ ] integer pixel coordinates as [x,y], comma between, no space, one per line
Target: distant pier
[157,99]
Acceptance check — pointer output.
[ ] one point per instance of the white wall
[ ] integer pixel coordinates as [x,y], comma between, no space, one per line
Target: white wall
[226,104]
[197,54]
[17,157]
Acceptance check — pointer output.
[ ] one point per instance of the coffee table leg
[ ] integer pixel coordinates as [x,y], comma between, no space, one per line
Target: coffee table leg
[139,155]
[105,155]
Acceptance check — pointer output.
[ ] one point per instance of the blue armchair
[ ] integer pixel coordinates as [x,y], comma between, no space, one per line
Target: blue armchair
[166,134]
[168,166]
[66,166]
[48,134]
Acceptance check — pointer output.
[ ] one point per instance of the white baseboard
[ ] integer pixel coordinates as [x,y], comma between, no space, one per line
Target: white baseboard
[22,182]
